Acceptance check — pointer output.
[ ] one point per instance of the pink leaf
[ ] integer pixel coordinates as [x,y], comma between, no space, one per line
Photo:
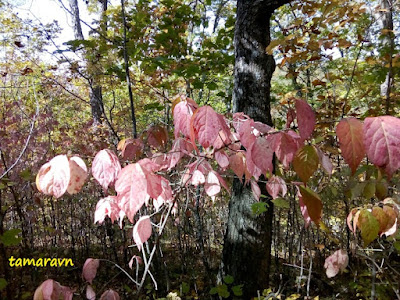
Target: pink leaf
[222,159]
[212,186]
[89,269]
[53,177]
[110,295]
[142,231]
[351,141]
[90,294]
[290,117]
[198,178]
[105,168]
[131,187]
[382,142]
[131,149]
[48,290]
[325,161]
[276,185]
[246,133]
[304,212]
[338,261]
[107,207]
[182,113]
[252,169]
[136,259]
[255,189]
[305,118]
[285,147]
[78,175]
[206,125]
[262,153]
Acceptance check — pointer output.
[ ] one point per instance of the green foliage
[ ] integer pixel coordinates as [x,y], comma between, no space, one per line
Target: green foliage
[10,237]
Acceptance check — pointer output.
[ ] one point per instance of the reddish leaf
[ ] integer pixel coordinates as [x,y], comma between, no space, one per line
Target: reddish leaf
[306,162]
[262,153]
[142,231]
[131,187]
[212,186]
[351,141]
[304,212]
[90,294]
[382,142]
[53,177]
[89,269]
[182,113]
[290,117]
[255,189]
[237,164]
[252,169]
[338,261]
[313,203]
[246,133]
[276,185]
[285,147]
[206,125]
[305,118]
[166,195]
[106,207]
[110,295]
[381,217]
[131,149]
[157,136]
[105,168]
[222,159]
[392,216]
[78,175]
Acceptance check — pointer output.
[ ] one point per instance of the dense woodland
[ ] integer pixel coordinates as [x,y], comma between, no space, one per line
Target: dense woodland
[203,149]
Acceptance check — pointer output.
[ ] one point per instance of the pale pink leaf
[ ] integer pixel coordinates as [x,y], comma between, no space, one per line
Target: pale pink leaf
[78,175]
[382,142]
[166,195]
[107,207]
[255,189]
[351,141]
[246,133]
[222,159]
[89,269]
[305,118]
[205,126]
[325,161]
[142,231]
[137,259]
[48,290]
[131,187]
[198,178]
[212,185]
[276,185]
[110,295]
[53,177]
[105,168]
[338,261]
[90,294]
[252,169]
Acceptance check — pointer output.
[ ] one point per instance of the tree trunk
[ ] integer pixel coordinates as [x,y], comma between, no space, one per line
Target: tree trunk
[388,49]
[96,97]
[247,242]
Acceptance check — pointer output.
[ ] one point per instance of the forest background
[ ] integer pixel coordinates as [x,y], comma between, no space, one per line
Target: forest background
[115,85]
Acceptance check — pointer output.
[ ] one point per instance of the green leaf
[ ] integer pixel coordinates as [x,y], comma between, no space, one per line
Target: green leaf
[259,207]
[238,290]
[9,238]
[397,246]
[3,284]
[2,186]
[369,226]
[306,162]
[313,203]
[369,190]
[26,175]
[281,203]
[185,288]
[223,291]
[228,279]
[213,291]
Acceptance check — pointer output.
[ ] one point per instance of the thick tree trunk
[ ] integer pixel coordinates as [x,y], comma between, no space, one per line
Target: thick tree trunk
[247,242]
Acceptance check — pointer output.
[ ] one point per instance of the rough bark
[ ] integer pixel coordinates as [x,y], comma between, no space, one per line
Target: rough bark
[247,242]
[76,19]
